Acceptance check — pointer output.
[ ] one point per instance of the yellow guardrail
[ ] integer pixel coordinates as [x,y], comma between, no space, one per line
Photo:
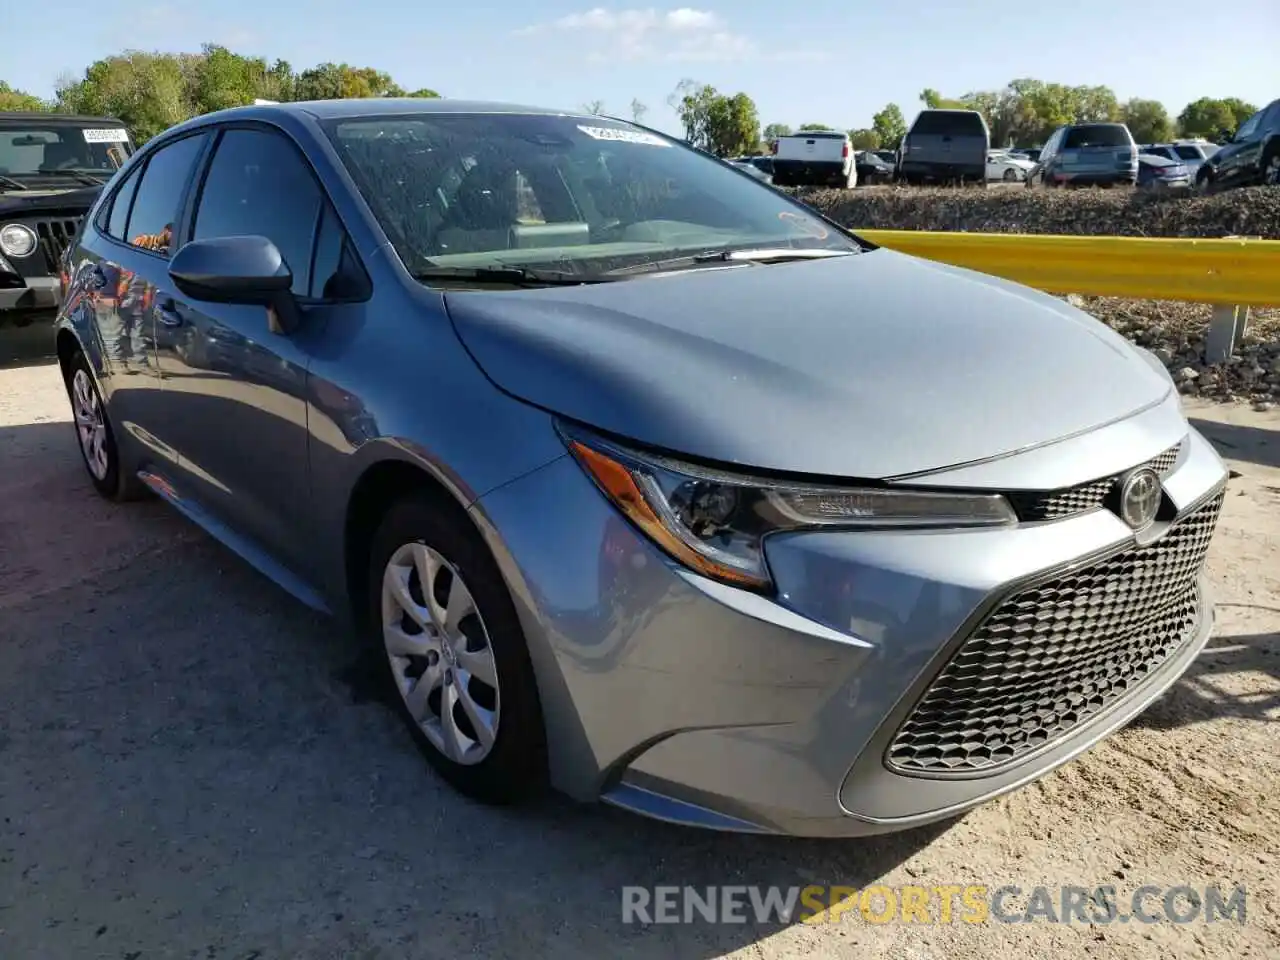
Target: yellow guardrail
[1230,271]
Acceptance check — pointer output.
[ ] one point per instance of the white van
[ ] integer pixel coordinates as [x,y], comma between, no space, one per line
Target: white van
[814,158]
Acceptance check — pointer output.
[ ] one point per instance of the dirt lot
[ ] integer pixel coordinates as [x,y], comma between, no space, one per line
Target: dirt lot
[190,767]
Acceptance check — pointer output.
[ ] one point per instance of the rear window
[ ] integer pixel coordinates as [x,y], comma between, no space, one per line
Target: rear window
[1188,153]
[949,123]
[1097,135]
[818,135]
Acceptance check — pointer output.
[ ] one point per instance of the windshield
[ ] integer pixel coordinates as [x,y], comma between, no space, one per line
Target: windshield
[580,194]
[1097,135]
[33,148]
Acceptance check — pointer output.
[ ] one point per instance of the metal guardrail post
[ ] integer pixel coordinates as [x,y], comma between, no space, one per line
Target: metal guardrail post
[1226,330]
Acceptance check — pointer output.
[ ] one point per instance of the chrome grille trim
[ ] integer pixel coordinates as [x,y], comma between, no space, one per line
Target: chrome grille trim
[1056,504]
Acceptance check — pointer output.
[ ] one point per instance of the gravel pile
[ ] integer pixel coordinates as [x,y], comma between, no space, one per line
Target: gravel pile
[1173,331]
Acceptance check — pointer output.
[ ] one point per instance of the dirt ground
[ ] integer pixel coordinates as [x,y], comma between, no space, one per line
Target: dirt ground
[190,767]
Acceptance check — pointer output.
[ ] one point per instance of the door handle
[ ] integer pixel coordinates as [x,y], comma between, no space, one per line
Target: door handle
[167,311]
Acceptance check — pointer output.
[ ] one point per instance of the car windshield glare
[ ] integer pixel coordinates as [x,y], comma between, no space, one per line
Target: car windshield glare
[1097,135]
[574,193]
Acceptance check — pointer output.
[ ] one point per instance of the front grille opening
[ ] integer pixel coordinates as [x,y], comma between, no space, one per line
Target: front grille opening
[54,235]
[1056,654]
[1057,504]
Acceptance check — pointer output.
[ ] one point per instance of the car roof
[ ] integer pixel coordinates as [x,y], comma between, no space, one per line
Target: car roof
[29,116]
[388,106]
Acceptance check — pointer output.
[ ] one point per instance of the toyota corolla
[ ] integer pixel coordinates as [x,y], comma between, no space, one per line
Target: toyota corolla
[641,479]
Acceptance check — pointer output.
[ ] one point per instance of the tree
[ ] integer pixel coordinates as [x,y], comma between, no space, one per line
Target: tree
[337,81]
[889,127]
[725,126]
[815,126]
[1240,110]
[638,110]
[150,92]
[1147,120]
[19,100]
[865,139]
[593,107]
[775,130]
[933,100]
[1206,117]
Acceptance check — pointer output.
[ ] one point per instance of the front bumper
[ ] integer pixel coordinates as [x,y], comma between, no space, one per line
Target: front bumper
[698,703]
[40,293]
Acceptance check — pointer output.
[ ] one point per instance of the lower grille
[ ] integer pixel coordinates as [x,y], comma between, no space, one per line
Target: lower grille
[55,235]
[1058,653]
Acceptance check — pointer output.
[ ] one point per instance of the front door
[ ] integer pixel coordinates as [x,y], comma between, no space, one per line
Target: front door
[236,391]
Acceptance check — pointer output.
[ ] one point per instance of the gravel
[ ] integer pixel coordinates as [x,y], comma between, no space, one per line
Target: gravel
[1174,331]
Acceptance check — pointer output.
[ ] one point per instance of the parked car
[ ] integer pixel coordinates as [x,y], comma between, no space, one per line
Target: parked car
[51,168]
[751,170]
[762,163]
[1027,153]
[1160,173]
[888,156]
[945,146]
[1087,154]
[684,498]
[814,158]
[1007,168]
[1190,153]
[1251,155]
[871,168]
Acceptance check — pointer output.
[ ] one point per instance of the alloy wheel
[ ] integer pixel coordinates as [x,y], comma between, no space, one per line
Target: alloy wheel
[440,653]
[91,425]
[1271,173]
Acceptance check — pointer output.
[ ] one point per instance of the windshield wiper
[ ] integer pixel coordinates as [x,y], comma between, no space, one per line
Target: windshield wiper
[87,179]
[12,184]
[755,255]
[507,275]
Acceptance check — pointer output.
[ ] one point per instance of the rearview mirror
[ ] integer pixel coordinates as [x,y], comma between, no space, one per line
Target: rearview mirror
[249,270]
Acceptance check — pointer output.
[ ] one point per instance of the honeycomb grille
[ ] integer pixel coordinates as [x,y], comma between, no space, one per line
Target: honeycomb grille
[1056,504]
[1056,654]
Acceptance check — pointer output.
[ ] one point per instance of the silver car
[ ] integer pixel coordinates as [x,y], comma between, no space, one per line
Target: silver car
[639,478]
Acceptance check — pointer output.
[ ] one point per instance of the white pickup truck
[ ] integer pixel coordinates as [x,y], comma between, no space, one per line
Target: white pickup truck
[814,158]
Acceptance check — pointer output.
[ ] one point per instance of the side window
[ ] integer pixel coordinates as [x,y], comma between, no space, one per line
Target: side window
[335,272]
[155,205]
[259,185]
[1250,126]
[118,218]
[1271,122]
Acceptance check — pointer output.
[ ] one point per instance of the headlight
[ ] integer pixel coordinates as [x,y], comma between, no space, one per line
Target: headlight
[17,240]
[715,522]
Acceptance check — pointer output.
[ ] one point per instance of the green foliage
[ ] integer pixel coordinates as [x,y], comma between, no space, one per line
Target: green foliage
[17,100]
[151,91]
[864,139]
[1209,116]
[1147,120]
[775,130]
[889,127]
[724,125]
[814,126]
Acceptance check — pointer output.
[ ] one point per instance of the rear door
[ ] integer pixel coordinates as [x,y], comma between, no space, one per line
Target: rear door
[948,138]
[1099,148]
[132,274]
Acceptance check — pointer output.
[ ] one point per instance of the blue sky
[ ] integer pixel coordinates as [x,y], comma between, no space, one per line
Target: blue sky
[822,61]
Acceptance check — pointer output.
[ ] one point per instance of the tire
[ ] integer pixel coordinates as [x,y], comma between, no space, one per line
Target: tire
[95,437]
[430,533]
[1009,176]
[1271,169]
[1204,181]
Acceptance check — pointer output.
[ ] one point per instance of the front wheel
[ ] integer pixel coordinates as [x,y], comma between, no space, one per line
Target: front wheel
[1271,170]
[1009,176]
[1204,181]
[446,630]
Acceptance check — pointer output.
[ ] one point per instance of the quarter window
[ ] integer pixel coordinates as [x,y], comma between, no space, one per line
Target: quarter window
[155,208]
[118,221]
[259,185]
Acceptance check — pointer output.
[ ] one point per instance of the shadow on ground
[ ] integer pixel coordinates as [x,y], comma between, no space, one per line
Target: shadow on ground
[1201,693]
[187,768]
[20,346]
[1234,441]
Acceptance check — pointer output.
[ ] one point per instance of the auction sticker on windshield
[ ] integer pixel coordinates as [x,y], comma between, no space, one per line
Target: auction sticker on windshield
[624,136]
[101,135]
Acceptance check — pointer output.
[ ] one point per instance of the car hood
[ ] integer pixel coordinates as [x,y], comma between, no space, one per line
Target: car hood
[876,365]
[21,203]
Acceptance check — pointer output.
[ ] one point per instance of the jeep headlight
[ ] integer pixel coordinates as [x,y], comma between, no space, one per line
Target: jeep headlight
[715,522]
[17,240]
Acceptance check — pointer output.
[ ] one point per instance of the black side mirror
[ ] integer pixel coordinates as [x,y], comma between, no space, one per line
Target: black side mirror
[247,270]
[1226,136]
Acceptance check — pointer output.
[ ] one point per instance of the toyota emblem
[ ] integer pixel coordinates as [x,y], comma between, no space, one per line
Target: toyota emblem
[1140,496]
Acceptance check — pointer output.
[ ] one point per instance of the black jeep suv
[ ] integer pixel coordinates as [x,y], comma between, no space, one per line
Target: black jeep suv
[51,169]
